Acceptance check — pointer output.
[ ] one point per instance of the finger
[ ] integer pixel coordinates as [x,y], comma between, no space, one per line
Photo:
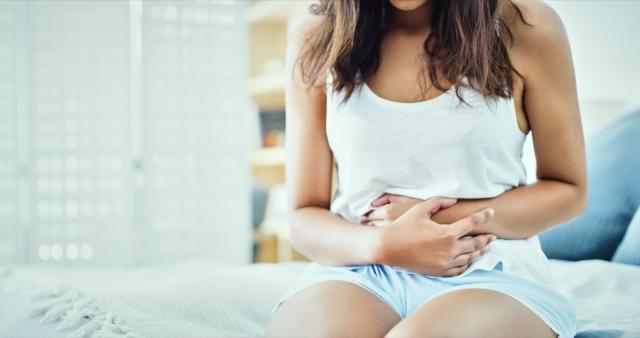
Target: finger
[467,224]
[379,213]
[388,198]
[461,260]
[380,223]
[431,206]
[469,258]
[380,201]
[365,217]
[471,244]
[377,223]
[457,270]
[397,198]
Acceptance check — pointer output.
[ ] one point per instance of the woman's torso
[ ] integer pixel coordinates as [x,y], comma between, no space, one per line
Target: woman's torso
[437,146]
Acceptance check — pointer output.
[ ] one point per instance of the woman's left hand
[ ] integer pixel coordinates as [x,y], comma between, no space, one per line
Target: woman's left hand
[388,208]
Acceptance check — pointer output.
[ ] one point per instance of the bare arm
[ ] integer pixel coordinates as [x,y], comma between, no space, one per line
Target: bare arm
[316,232]
[542,54]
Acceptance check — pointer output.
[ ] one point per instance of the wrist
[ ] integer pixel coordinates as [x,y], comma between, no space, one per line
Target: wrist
[376,247]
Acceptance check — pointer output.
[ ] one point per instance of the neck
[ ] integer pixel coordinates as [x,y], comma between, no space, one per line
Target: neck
[413,21]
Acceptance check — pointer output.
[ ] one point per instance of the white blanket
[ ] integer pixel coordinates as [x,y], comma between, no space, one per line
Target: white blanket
[204,299]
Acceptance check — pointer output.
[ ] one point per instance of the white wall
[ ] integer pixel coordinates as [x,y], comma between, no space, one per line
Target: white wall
[122,132]
[605,43]
[605,40]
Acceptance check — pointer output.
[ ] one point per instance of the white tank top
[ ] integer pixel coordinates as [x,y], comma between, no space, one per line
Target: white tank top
[438,147]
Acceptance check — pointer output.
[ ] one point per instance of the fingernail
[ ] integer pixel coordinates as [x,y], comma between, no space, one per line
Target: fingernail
[493,238]
[491,212]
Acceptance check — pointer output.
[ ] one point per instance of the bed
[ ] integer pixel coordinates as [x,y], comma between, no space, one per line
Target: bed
[203,299]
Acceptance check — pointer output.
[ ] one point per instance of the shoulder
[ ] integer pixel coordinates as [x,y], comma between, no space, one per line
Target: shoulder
[541,20]
[300,44]
[539,37]
[302,29]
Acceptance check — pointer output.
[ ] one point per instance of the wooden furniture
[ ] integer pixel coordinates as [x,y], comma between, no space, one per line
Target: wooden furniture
[270,21]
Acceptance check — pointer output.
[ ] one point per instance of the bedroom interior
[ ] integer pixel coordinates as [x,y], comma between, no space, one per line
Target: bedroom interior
[142,168]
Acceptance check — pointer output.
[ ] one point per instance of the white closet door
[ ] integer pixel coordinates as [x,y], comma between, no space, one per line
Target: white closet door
[80,130]
[122,131]
[9,225]
[196,189]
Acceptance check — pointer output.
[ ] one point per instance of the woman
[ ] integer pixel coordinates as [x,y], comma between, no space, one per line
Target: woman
[424,105]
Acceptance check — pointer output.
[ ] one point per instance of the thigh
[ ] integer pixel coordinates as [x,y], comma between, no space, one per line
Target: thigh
[332,309]
[472,313]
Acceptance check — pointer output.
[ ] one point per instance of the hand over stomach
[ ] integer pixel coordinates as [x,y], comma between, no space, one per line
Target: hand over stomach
[411,240]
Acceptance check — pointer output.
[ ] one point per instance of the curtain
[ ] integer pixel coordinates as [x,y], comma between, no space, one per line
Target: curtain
[121,137]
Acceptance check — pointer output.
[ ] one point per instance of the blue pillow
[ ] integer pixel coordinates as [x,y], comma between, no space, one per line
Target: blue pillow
[613,163]
[629,250]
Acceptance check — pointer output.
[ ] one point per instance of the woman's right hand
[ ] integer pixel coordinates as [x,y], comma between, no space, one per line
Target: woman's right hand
[416,243]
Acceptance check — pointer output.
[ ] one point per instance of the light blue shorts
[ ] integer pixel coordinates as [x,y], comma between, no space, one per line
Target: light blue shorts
[406,291]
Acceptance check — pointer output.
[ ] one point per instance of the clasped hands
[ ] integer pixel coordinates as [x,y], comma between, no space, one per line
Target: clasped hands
[410,239]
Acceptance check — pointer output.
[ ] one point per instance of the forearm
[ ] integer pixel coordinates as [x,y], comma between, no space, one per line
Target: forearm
[329,239]
[524,211]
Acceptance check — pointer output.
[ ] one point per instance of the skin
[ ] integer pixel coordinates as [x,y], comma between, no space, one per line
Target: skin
[429,236]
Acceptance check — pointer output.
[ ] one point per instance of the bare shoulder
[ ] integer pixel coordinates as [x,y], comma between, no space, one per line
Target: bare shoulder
[298,43]
[541,20]
[302,28]
[536,39]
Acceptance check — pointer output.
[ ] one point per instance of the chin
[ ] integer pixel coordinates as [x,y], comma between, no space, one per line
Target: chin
[408,5]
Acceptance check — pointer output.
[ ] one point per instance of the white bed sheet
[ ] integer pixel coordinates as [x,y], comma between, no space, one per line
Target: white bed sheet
[204,299]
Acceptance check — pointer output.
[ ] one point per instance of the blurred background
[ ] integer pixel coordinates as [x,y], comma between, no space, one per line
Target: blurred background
[135,132]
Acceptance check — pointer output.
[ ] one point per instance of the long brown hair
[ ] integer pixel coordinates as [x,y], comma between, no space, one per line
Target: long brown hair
[468,39]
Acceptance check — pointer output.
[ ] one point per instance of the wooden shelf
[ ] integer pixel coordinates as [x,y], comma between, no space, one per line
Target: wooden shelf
[267,91]
[268,157]
[269,22]
[266,84]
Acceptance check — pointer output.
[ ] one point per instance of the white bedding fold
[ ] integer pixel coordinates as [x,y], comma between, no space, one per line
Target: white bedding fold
[204,299]
[194,299]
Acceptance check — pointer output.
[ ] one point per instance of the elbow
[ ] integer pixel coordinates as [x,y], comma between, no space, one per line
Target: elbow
[295,231]
[579,201]
[584,203]
[299,216]
[293,226]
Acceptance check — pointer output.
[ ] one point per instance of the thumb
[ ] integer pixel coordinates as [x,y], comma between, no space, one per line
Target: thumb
[431,206]
[388,198]
[380,201]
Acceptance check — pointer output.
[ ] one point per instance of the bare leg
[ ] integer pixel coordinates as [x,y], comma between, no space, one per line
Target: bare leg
[332,309]
[472,313]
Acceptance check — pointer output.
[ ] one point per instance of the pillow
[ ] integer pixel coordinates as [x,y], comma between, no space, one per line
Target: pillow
[613,163]
[628,251]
